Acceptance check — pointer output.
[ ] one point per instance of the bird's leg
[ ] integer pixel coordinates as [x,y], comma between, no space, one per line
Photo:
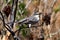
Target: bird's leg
[29,25]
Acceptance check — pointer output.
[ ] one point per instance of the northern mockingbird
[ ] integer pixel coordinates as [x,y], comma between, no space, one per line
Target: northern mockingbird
[31,20]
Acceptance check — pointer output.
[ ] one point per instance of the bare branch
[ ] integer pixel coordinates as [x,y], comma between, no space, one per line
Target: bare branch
[5,25]
[28,3]
[13,12]
[52,4]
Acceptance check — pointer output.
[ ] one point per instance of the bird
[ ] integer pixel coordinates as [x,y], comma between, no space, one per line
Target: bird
[34,18]
[31,20]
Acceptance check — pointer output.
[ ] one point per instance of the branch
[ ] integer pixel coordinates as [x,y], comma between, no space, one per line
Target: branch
[28,4]
[52,4]
[5,25]
[13,12]
[2,18]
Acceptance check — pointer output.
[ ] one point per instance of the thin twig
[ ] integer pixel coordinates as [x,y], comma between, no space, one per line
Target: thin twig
[5,25]
[4,21]
[13,12]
